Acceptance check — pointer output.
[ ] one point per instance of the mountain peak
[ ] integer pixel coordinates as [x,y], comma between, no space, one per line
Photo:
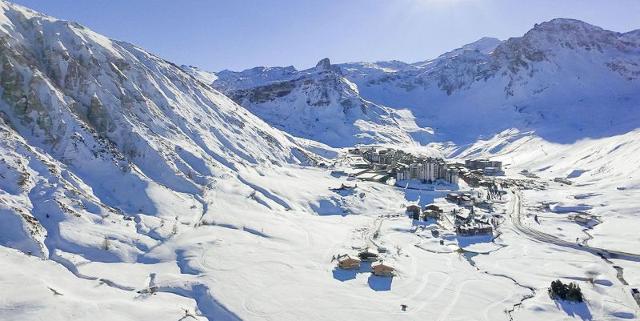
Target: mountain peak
[568,34]
[324,64]
[484,44]
[564,25]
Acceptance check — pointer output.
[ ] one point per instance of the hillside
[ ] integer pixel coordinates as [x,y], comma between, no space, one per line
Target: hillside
[564,79]
[88,122]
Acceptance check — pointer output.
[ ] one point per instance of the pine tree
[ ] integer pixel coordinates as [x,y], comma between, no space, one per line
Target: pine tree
[569,292]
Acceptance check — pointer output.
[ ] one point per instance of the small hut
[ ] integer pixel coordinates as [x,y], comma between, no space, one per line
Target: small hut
[383,270]
[349,263]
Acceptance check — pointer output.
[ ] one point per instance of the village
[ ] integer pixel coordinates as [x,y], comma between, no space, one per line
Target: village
[468,191]
[453,207]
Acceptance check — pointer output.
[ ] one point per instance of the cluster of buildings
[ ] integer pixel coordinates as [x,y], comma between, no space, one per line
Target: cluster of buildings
[428,170]
[462,199]
[465,222]
[405,166]
[346,262]
[472,224]
[485,166]
[429,211]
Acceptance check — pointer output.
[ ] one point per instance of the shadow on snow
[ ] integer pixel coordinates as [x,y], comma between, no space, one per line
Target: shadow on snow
[575,309]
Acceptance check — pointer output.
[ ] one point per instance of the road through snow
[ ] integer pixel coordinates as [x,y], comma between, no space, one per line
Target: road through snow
[516,219]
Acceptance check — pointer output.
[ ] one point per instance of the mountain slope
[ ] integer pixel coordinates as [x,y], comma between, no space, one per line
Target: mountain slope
[107,120]
[563,79]
[318,104]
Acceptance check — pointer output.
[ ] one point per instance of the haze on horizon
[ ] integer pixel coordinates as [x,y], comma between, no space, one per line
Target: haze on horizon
[236,35]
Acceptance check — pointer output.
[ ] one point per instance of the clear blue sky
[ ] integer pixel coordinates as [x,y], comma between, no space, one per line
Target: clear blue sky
[239,34]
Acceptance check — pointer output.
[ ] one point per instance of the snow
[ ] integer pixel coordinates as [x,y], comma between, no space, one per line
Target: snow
[205,76]
[568,208]
[130,189]
[318,104]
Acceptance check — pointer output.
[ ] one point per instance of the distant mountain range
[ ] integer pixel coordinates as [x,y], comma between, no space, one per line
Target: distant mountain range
[564,79]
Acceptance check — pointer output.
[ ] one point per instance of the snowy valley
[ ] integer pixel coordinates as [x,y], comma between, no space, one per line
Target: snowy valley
[135,189]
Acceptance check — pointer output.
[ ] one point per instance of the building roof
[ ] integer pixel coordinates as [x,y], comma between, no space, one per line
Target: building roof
[381,268]
[349,260]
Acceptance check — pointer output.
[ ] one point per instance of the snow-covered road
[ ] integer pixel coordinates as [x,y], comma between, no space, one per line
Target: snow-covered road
[516,218]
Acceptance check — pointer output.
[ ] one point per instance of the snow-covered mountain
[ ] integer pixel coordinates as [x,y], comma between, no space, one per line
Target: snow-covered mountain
[87,122]
[318,104]
[564,79]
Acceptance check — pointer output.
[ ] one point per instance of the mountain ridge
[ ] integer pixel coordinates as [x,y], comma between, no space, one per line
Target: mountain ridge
[515,80]
[108,119]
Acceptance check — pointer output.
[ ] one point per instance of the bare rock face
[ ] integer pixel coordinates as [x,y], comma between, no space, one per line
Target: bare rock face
[324,64]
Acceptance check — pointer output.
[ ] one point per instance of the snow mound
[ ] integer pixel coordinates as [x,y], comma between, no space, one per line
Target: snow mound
[568,208]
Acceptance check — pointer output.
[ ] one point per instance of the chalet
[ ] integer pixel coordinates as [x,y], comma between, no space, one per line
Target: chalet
[427,214]
[414,211]
[465,200]
[432,211]
[434,208]
[452,197]
[383,270]
[474,229]
[461,219]
[349,263]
